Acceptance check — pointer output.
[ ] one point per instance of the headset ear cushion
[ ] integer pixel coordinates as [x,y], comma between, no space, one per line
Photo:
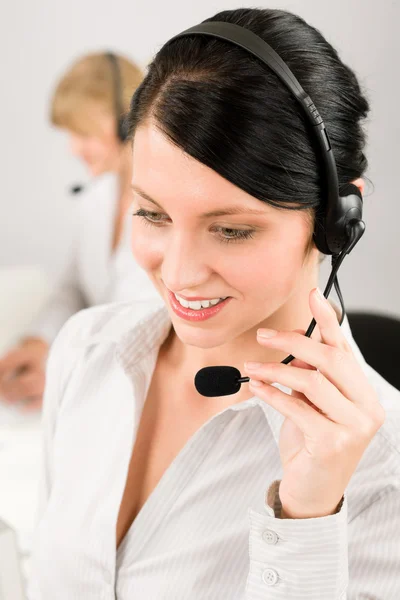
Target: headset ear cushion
[319,236]
[349,189]
[322,235]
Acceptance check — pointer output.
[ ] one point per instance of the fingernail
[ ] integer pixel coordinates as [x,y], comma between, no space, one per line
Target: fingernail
[266,333]
[252,365]
[255,383]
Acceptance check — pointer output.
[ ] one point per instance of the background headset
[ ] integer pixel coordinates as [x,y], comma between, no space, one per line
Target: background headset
[118,106]
[117,96]
[339,224]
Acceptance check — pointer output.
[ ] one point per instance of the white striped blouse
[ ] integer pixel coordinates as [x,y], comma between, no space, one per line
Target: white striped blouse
[210,530]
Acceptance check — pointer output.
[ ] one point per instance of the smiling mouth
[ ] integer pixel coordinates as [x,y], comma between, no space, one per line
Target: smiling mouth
[196,311]
[198,304]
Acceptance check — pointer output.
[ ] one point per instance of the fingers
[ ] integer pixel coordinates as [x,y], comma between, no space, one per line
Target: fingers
[336,362]
[315,387]
[30,352]
[22,372]
[296,362]
[327,320]
[307,419]
[29,384]
[32,404]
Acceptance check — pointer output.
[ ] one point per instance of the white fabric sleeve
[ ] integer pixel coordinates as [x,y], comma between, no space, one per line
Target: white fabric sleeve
[294,559]
[327,557]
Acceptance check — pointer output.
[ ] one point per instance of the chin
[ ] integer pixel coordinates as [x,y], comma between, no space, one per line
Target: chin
[95,169]
[194,335]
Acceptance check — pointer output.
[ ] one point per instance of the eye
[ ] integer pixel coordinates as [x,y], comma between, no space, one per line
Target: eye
[234,235]
[229,234]
[149,217]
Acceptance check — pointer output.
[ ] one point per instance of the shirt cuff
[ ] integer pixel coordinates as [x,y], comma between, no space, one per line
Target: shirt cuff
[297,558]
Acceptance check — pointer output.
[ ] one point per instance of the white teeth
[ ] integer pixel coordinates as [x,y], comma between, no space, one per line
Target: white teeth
[198,304]
[214,302]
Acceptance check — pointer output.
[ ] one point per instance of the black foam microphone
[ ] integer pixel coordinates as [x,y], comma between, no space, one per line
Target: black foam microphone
[218,381]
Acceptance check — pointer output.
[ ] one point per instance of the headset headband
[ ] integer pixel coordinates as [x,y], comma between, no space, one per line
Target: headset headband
[117,94]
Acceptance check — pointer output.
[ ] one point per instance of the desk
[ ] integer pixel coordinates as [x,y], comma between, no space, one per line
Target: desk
[24,291]
[20,467]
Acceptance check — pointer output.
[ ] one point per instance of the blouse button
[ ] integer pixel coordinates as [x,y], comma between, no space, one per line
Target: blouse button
[270,576]
[270,536]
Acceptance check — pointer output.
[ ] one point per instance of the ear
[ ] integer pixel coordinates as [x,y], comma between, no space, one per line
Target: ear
[360,183]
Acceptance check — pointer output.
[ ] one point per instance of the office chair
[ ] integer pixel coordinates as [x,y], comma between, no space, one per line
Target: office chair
[378,337]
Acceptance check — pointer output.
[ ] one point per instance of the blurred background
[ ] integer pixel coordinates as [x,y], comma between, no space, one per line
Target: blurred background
[39,40]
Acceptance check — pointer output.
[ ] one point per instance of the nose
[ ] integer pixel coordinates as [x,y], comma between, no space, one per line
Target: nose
[185,266]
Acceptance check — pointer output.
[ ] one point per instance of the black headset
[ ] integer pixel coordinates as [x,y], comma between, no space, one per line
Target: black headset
[339,225]
[117,96]
[332,231]
[118,108]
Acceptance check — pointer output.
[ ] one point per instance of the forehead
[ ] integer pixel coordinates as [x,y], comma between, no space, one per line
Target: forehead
[166,173]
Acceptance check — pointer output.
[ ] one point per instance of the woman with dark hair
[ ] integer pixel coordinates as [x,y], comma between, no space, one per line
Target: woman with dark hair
[289,487]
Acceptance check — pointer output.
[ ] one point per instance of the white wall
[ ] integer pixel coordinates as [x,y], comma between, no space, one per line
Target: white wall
[39,39]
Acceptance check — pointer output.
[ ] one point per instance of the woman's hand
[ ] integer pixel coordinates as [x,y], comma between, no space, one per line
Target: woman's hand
[22,373]
[331,415]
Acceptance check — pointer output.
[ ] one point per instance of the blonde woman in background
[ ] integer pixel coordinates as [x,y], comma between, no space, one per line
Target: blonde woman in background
[87,104]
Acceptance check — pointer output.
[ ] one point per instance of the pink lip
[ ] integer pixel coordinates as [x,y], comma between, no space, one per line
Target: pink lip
[195,315]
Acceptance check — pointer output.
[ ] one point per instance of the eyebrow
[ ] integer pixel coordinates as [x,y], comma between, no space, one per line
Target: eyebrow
[230,210]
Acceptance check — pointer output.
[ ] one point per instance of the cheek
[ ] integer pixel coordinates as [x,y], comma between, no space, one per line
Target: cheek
[100,150]
[147,247]
[270,269]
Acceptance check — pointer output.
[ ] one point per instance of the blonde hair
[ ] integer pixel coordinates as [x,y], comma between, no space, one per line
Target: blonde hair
[87,90]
